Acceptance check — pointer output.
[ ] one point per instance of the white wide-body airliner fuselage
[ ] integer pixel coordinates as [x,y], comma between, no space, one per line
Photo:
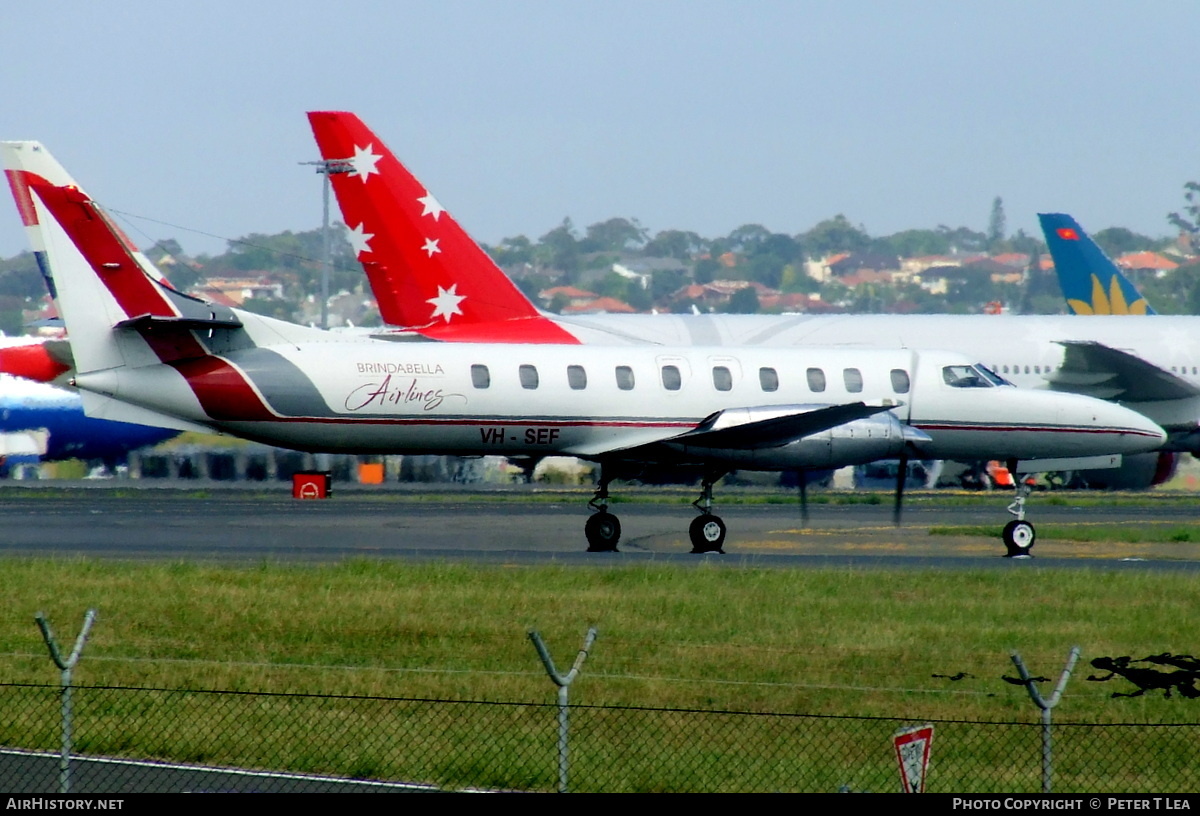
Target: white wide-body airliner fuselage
[1152,366]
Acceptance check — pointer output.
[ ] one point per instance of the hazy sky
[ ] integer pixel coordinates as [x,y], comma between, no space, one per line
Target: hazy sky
[694,115]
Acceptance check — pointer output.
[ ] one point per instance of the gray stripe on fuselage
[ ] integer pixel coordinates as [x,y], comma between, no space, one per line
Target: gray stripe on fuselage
[286,389]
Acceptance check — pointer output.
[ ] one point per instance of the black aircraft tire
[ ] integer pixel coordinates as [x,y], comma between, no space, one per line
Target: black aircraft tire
[1019,537]
[707,533]
[603,531]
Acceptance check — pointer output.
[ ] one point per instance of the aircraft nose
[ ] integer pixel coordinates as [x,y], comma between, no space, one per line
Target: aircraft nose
[1130,431]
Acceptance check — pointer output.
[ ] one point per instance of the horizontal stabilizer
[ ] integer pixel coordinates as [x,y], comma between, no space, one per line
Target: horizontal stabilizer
[99,406]
[226,320]
[1097,370]
[25,443]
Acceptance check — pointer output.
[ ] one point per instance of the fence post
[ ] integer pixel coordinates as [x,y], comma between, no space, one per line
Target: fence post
[1046,706]
[563,682]
[65,666]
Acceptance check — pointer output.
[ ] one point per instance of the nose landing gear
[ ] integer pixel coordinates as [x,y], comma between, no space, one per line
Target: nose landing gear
[1018,534]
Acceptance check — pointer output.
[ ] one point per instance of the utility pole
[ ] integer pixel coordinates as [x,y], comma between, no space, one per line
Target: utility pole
[327,167]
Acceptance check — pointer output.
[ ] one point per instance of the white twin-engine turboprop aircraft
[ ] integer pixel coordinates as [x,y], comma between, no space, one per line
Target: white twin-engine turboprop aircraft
[146,353]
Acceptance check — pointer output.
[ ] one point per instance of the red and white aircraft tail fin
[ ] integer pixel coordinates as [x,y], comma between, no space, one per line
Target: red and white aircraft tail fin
[426,272]
[28,161]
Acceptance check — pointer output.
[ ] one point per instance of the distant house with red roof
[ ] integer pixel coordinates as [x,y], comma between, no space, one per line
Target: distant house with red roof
[569,296]
[1151,262]
[600,305]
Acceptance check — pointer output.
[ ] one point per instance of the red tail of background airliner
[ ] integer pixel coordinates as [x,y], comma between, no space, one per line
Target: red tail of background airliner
[426,272]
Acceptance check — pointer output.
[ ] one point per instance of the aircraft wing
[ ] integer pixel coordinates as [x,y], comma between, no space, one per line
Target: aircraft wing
[745,429]
[772,426]
[1097,370]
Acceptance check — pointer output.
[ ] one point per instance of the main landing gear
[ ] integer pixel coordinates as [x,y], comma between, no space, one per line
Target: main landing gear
[603,529]
[707,531]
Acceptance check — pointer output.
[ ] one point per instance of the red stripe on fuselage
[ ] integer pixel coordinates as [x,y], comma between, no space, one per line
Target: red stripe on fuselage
[223,390]
[1033,429]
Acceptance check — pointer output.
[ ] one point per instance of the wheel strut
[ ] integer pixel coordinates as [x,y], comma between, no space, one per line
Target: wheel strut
[707,532]
[1018,534]
[603,529]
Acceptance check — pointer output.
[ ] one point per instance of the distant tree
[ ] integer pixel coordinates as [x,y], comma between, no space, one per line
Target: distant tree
[298,253]
[21,278]
[533,284]
[1026,244]
[167,247]
[706,270]
[962,239]
[746,238]
[767,256]
[184,276]
[511,251]
[912,243]
[613,235]
[1189,220]
[558,303]
[280,309]
[639,298]
[666,282]
[11,317]
[560,248]
[997,224]
[744,301]
[1119,241]
[674,244]
[835,234]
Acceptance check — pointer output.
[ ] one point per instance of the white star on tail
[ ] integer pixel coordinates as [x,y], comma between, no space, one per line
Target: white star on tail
[445,305]
[431,246]
[364,161]
[359,239]
[431,205]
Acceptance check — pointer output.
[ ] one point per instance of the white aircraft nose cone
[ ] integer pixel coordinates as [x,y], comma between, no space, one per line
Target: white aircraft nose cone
[1122,429]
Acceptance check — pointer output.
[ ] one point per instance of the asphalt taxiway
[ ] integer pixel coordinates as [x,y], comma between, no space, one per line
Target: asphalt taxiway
[262,524]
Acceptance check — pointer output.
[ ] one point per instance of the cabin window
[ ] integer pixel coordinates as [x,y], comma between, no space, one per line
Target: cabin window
[900,382]
[816,379]
[576,377]
[480,376]
[529,376]
[671,378]
[853,379]
[625,378]
[722,379]
[768,378]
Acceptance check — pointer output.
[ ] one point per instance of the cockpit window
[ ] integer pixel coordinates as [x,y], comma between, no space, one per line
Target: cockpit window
[992,376]
[965,376]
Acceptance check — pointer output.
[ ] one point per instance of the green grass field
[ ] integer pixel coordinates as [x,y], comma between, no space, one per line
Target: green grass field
[834,642]
[838,641]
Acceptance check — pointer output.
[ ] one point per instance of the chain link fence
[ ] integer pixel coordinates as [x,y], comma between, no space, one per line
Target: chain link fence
[130,740]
